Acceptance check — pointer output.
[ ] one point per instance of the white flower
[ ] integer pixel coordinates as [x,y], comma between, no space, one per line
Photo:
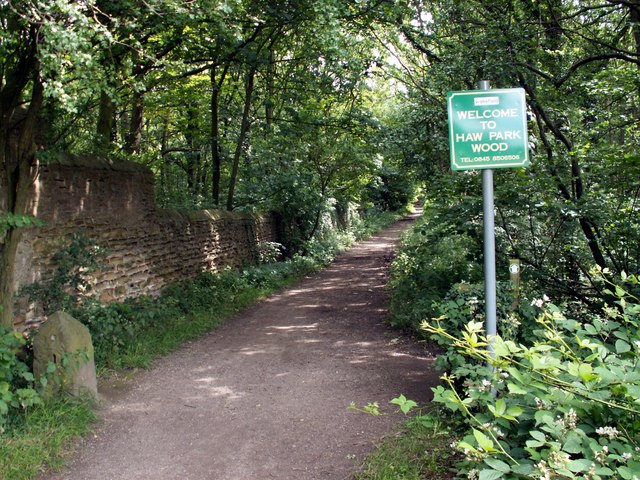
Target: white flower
[485,385]
[560,459]
[610,432]
[627,456]
[569,421]
[544,470]
[541,404]
[536,302]
[498,433]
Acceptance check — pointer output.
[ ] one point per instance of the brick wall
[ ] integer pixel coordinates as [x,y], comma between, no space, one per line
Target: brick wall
[146,248]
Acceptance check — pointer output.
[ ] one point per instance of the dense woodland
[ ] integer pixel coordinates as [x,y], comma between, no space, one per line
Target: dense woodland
[300,106]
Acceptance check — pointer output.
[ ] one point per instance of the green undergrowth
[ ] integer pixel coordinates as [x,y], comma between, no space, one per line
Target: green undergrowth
[419,450]
[130,335]
[42,437]
[553,395]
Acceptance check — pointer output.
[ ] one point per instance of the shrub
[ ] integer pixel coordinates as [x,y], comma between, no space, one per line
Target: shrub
[68,283]
[563,404]
[17,384]
[433,258]
[464,303]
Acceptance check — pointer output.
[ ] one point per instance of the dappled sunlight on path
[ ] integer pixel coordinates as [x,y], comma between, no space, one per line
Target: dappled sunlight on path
[267,394]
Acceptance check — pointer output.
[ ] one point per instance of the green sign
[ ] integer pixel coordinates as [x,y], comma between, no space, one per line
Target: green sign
[488,129]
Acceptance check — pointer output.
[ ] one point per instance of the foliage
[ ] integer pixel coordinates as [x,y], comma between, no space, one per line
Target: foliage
[464,304]
[43,437]
[434,256]
[12,220]
[577,204]
[17,384]
[69,282]
[390,190]
[269,252]
[418,451]
[561,404]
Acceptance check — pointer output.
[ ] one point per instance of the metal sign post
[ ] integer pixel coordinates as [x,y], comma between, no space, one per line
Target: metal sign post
[487,130]
[489,248]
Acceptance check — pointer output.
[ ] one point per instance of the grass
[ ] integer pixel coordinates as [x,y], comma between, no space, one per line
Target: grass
[43,437]
[418,451]
[140,331]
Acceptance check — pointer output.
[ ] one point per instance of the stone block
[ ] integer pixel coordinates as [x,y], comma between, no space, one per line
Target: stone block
[66,342]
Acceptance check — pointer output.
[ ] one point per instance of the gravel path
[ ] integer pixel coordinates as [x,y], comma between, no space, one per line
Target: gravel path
[266,395]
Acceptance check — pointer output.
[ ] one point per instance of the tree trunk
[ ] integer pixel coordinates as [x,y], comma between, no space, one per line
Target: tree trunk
[104,128]
[134,137]
[18,155]
[216,154]
[244,130]
[193,154]
[269,105]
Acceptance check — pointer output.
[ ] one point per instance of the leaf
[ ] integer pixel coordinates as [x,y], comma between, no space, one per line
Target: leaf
[515,373]
[625,473]
[622,346]
[538,435]
[534,444]
[499,409]
[573,443]
[490,474]
[590,329]
[501,406]
[513,412]
[516,389]
[497,464]
[405,405]
[483,441]
[544,417]
[606,471]
[523,469]
[580,465]
[467,446]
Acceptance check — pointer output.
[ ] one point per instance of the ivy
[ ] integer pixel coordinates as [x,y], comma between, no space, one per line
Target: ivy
[14,220]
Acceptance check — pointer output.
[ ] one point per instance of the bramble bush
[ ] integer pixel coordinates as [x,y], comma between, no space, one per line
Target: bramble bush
[434,256]
[17,384]
[464,303]
[562,403]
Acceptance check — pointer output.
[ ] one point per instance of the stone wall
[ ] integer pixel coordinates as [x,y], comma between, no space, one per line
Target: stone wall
[113,203]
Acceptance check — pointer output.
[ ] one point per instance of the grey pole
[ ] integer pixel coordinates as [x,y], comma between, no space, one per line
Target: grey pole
[489,246]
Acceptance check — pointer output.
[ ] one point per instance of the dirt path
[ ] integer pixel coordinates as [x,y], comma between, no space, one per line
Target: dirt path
[266,395]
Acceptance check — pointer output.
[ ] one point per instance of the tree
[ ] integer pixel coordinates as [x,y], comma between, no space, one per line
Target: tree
[579,66]
[43,45]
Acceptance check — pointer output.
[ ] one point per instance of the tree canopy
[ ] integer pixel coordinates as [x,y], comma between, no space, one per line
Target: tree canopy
[293,106]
